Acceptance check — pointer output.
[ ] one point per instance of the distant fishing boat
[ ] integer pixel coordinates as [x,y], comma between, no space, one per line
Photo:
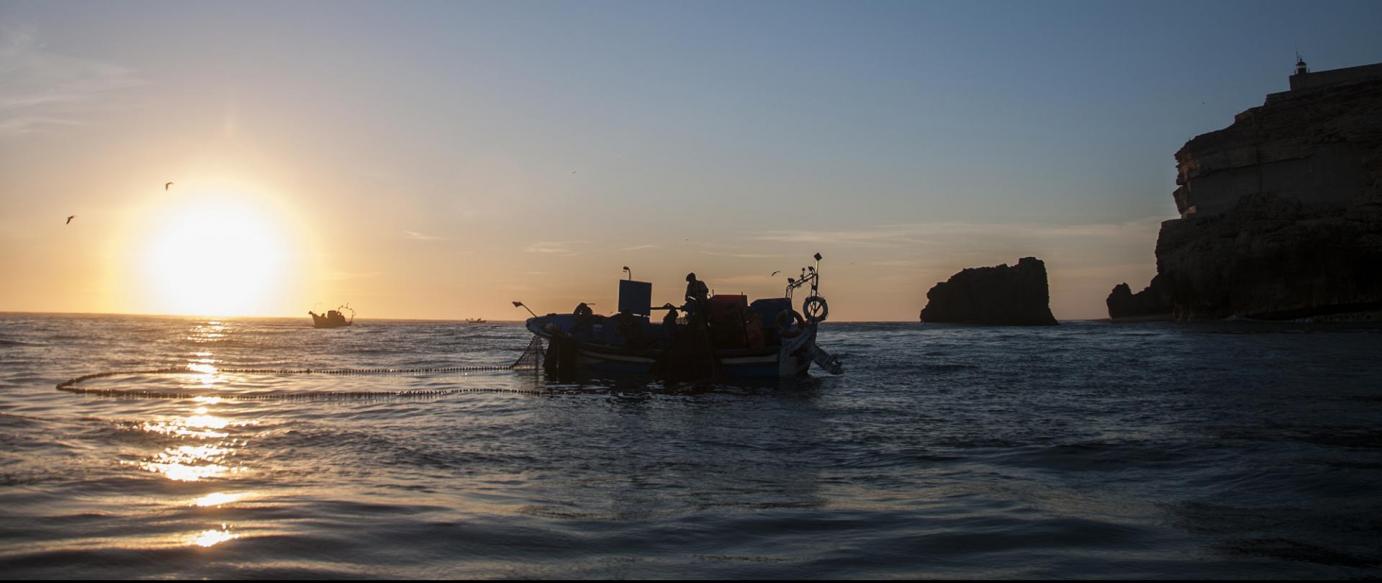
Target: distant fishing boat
[333,318]
[724,337]
[475,320]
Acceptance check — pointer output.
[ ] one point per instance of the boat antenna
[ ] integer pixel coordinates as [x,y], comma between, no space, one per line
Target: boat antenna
[518,304]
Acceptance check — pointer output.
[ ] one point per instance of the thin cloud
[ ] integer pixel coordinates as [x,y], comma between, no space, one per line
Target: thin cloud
[880,236]
[753,279]
[416,236]
[29,124]
[739,255]
[552,247]
[44,90]
[732,251]
[895,263]
[347,275]
[930,233]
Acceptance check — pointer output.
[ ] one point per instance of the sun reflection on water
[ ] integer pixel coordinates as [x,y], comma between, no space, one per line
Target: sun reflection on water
[211,537]
[217,499]
[200,425]
[195,461]
[204,421]
[205,366]
[189,463]
[207,372]
[211,331]
[205,445]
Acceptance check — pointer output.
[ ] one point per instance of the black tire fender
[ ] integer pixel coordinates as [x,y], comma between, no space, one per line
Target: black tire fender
[815,305]
[789,323]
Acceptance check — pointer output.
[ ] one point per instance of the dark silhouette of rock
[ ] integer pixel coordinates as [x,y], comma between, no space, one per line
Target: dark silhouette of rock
[1153,302]
[1281,212]
[1273,258]
[1001,295]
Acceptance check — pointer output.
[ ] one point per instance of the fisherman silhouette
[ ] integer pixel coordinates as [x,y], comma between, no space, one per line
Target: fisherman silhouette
[692,355]
[669,322]
[585,322]
[696,293]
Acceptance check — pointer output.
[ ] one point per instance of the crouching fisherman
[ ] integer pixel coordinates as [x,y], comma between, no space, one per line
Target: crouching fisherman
[563,349]
[690,355]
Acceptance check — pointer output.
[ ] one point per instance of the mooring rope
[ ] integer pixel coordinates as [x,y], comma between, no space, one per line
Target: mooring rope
[530,358]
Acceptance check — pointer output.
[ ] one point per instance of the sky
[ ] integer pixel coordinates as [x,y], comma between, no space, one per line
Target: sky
[441,159]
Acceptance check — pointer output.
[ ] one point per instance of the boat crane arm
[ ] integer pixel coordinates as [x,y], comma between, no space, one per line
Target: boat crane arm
[809,274]
[518,304]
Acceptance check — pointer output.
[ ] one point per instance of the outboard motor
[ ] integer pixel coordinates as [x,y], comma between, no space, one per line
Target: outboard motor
[827,361]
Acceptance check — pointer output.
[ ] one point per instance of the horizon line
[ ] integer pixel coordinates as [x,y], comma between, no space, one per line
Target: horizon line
[439,319]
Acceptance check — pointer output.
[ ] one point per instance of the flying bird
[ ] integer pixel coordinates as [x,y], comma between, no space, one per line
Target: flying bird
[166,185]
[774,274]
[69,219]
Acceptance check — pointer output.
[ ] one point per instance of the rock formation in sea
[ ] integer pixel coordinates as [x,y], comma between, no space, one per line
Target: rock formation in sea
[1151,303]
[993,295]
[1281,212]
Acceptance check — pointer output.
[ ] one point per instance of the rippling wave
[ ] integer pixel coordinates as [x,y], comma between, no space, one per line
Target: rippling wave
[1084,450]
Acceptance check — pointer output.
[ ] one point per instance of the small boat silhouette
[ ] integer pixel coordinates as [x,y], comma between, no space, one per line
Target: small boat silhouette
[723,336]
[332,318]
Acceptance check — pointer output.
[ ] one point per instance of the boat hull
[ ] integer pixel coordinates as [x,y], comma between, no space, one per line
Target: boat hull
[324,322]
[791,359]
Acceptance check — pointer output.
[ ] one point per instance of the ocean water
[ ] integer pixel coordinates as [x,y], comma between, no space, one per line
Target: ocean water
[1090,449]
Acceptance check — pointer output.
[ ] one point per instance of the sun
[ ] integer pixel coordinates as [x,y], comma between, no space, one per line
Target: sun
[215,256]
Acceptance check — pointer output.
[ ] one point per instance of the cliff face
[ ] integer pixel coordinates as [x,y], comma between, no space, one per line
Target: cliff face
[1281,213]
[1015,295]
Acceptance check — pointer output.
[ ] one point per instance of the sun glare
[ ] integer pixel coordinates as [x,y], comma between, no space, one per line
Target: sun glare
[218,256]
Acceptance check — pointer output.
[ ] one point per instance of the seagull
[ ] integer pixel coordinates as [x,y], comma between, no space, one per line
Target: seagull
[69,219]
[166,185]
[774,274]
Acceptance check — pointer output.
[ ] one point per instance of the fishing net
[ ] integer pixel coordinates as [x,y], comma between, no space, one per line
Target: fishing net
[530,360]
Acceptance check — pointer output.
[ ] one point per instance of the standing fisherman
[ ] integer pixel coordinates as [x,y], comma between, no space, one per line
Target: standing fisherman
[696,295]
[698,328]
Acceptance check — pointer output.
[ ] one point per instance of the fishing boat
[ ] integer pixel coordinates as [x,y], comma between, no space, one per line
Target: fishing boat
[721,337]
[475,320]
[333,318]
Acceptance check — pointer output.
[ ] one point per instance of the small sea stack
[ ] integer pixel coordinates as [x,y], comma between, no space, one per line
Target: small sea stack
[1152,303]
[1001,295]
